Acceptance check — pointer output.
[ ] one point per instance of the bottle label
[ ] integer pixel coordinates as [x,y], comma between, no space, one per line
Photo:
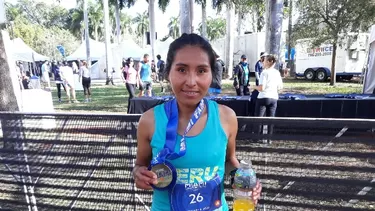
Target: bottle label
[241,193]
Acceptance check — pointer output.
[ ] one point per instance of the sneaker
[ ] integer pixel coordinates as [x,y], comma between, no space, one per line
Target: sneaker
[89,99]
[86,100]
[75,101]
[59,100]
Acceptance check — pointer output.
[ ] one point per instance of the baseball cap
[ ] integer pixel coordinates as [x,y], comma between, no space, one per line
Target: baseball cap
[243,56]
[263,54]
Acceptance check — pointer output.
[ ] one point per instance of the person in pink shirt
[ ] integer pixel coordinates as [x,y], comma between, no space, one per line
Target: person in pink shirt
[130,78]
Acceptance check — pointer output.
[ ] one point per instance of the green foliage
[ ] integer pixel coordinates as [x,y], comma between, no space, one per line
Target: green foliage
[174,27]
[216,28]
[41,26]
[43,40]
[330,21]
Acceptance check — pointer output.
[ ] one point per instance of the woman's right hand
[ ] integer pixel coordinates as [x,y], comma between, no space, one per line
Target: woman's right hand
[144,178]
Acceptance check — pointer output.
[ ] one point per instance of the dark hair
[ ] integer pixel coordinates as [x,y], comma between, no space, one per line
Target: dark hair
[271,58]
[146,55]
[158,57]
[193,40]
[128,61]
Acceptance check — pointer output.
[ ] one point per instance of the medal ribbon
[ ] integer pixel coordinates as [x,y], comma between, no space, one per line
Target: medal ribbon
[168,151]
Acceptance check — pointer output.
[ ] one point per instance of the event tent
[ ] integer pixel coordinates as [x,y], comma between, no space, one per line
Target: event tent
[97,50]
[369,83]
[128,48]
[161,48]
[22,52]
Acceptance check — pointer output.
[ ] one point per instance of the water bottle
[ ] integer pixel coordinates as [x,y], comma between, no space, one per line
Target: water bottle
[244,180]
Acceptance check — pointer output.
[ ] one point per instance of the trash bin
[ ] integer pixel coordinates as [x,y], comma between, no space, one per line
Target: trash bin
[34,82]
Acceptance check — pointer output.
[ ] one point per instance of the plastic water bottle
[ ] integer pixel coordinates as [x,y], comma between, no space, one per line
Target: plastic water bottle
[244,180]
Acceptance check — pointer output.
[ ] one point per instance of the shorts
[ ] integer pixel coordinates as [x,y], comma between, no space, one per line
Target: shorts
[145,84]
[69,84]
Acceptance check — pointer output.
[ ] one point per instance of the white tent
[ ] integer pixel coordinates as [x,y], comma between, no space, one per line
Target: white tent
[22,52]
[97,50]
[161,48]
[369,84]
[128,48]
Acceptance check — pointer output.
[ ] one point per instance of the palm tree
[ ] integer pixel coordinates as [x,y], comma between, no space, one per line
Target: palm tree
[174,27]
[203,25]
[185,17]
[229,41]
[274,26]
[126,24]
[76,25]
[96,19]
[142,24]
[151,9]
[216,28]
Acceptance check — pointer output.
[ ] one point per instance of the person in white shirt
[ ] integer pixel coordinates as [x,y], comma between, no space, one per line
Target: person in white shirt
[85,73]
[68,79]
[270,83]
[45,74]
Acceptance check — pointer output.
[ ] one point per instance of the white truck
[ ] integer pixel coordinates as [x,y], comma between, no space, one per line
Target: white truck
[314,63]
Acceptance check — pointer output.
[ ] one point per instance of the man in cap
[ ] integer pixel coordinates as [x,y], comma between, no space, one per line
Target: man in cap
[242,77]
[259,67]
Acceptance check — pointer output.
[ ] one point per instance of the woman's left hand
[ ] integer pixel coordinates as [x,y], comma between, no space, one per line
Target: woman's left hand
[255,196]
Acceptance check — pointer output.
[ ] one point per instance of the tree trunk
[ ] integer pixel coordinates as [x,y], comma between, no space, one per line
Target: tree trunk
[118,24]
[185,24]
[229,41]
[204,21]
[333,64]
[10,91]
[87,38]
[254,17]
[107,38]
[239,23]
[191,5]
[151,9]
[275,28]
[96,33]
[267,24]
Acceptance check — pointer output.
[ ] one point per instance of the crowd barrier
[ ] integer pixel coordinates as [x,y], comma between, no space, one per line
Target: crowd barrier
[84,162]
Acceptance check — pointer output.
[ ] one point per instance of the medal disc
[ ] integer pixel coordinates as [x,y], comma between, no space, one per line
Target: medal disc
[166,176]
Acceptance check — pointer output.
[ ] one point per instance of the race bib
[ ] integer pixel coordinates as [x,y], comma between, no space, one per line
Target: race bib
[205,196]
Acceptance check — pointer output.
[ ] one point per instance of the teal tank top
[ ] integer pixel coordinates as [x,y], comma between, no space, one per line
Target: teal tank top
[205,154]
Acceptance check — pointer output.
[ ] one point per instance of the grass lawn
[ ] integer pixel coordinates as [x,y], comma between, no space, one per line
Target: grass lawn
[114,99]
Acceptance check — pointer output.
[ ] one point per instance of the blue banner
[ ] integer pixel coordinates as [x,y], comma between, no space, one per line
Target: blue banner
[61,49]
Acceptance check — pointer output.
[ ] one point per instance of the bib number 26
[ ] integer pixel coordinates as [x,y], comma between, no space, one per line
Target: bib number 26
[196,198]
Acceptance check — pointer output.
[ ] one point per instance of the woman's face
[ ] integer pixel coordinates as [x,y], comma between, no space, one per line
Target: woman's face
[190,75]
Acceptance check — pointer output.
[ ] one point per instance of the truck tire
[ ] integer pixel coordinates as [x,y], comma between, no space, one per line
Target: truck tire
[321,75]
[309,74]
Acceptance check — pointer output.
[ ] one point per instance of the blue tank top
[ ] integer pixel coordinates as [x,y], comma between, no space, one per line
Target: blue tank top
[145,72]
[205,154]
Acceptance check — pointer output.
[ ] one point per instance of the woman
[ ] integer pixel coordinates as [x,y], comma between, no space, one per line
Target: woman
[84,72]
[130,78]
[58,80]
[66,73]
[192,177]
[269,85]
